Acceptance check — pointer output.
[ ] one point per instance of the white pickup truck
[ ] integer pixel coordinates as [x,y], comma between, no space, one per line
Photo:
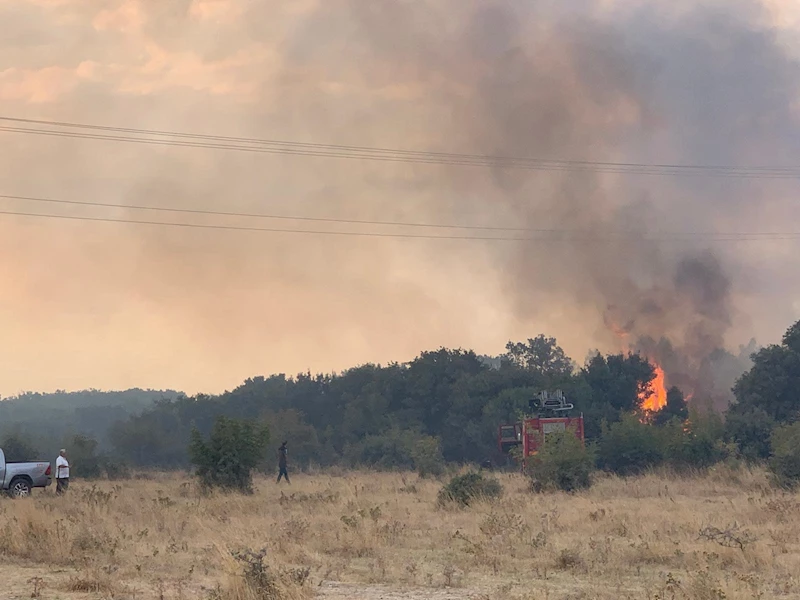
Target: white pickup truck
[19,478]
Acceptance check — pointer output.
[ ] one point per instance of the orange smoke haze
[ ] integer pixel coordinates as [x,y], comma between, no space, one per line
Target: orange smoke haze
[111,305]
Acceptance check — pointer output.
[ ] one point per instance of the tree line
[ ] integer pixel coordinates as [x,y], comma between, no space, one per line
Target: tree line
[449,401]
[445,407]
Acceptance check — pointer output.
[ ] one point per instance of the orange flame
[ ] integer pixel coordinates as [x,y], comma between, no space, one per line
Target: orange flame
[658,393]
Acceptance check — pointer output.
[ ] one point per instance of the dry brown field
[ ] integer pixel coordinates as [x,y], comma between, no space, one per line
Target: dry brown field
[725,534]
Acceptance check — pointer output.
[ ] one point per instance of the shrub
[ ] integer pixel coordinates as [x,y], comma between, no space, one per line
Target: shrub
[697,444]
[398,449]
[116,469]
[251,578]
[750,430]
[18,449]
[629,447]
[563,463]
[232,452]
[785,460]
[464,489]
[82,451]
[699,452]
[427,457]
[390,450]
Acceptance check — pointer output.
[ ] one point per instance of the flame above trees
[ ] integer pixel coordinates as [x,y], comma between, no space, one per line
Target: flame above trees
[655,398]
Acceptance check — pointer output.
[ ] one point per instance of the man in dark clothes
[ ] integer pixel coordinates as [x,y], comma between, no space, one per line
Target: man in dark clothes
[282,463]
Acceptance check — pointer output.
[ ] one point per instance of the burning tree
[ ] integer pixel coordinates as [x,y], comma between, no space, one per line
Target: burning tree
[655,397]
[674,408]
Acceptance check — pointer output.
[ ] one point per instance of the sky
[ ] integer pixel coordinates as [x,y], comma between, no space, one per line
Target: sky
[116,305]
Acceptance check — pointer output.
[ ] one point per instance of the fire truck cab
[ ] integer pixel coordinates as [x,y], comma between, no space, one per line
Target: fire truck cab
[531,433]
[509,436]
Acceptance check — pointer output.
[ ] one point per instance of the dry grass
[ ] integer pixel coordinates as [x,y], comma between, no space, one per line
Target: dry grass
[725,534]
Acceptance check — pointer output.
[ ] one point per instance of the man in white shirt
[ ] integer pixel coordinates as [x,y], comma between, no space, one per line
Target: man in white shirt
[62,472]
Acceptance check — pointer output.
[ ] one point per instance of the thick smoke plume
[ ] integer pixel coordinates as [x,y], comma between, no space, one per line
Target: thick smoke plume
[547,82]
[654,82]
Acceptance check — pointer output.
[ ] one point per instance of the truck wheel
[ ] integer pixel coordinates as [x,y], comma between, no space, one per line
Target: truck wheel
[19,488]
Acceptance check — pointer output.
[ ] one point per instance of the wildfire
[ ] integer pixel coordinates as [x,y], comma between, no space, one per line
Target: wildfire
[658,396]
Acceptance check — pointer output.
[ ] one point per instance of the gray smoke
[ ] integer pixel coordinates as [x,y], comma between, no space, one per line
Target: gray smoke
[652,82]
[709,85]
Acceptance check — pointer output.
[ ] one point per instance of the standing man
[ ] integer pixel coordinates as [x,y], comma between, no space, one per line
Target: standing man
[282,463]
[62,472]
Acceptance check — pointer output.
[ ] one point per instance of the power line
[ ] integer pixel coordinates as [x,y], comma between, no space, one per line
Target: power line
[583,238]
[266,229]
[193,140]
[271,216]
[368,222]
[726,172]
[327,154]
[449,155]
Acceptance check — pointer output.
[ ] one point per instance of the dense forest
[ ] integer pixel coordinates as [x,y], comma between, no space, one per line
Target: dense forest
[446,402]
[48,421]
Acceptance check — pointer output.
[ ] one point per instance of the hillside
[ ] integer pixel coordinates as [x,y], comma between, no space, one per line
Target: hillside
[89,412]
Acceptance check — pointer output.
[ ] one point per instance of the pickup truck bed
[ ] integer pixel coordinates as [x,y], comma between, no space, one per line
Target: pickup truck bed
[19,478]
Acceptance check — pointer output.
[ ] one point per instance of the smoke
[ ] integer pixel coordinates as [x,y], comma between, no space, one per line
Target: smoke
[656,82]
[709,85]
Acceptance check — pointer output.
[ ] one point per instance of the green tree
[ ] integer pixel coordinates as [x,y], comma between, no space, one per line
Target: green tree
[791,339]
[364,414]
[45,418]
[398,449]
[629,447]
[609,387]
[17,448]
[83,458]
[427,456]
[373,415]
[427,398]
[750,431]
[230,455]
[676,408]
[159,437]
[291,425]
[540,354]
[785,460]
[773,383]
[563,463]
[697,443]
[618,380]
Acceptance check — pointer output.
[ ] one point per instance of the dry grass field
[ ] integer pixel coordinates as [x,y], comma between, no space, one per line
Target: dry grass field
[725,534]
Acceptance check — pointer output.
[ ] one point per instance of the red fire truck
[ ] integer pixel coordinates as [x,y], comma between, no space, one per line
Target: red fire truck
[531,433]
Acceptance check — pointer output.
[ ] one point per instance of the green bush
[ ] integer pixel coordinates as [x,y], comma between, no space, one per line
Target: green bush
[697,444]
[751,431]
[427,457]
[563,463]
[83,459]
[396,449]
[388,451]
[116,469]
[17,448]
[228,458]
[629,447]
[464,489]
[785,460]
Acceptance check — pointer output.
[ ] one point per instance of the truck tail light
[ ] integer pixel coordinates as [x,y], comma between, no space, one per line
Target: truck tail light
[48,471]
